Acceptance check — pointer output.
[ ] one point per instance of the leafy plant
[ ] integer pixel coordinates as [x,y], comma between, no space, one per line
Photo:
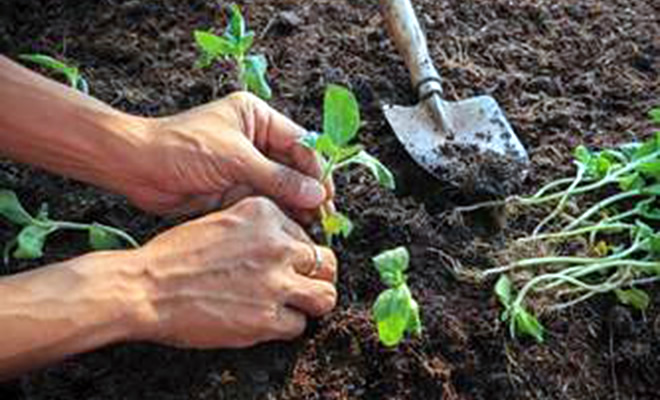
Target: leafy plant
[71,73]
[610,210]
[235,44]
[395,311]
[341,122]
[35,230]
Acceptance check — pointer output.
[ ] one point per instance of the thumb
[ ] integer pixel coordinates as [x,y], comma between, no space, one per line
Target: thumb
[284,184]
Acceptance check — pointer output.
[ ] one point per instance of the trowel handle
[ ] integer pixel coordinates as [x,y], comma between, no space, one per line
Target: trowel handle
[407,34]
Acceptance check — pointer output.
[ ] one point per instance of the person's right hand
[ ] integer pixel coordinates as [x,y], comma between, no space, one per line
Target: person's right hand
[235,278]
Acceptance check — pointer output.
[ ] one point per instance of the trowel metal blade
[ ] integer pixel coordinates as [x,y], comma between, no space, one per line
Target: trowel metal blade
[445,136]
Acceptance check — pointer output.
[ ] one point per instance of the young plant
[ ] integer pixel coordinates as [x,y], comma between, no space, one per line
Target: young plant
[341,122]
[235,44]
[30,241]
[71,73]
[395,311]
[613,217]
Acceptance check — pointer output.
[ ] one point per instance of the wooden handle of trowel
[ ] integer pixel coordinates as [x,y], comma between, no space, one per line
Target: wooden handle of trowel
[409,38]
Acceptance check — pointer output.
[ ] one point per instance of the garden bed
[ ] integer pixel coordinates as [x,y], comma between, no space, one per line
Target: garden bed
[566,73]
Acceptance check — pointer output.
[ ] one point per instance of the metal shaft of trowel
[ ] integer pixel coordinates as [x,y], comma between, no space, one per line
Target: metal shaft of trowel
[405,30]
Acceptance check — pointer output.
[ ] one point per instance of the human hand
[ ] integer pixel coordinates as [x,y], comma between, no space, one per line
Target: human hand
[233,279]
[222,152]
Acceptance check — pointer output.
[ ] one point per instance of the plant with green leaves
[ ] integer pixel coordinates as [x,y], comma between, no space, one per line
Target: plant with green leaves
[396,312]
[30,241]
[600,235]
[341,122]
[235,43]
[72,74]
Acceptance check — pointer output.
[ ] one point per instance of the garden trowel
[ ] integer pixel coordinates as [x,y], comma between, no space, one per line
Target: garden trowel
[466,142]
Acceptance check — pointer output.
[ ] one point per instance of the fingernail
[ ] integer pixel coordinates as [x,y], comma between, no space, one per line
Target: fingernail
[313,192]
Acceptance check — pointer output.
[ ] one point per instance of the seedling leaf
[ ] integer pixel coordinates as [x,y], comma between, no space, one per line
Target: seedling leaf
[392,312]
[102,239]
[31,241]
[212,46]
[504,290]
[634,297]
[236,26]
[245,42]
[391,265]
[341,116]
[71,73]
[527,324]
[11,208]
[255,75]
[382,174]
[414,321]
[337,223]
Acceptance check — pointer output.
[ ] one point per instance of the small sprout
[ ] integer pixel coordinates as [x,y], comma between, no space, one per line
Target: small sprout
[31,239]
[235,44]
[341,122]
[395,311]
[520,320]
[71,73]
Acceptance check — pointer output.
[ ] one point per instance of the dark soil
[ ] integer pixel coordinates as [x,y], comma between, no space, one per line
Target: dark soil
[565,73]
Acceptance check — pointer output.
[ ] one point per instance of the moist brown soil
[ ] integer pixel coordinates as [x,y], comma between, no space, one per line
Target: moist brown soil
[565,73]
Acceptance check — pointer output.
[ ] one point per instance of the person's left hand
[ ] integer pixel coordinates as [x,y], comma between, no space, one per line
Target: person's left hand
[214,155]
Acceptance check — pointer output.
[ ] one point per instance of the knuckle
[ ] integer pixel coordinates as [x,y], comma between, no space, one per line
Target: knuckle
[286,181]
[242,97]
[259,206]
[326,300]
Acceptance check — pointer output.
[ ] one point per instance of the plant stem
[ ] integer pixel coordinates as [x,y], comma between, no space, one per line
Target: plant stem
[600,205]
[79,226]
[580,231]
[562,201]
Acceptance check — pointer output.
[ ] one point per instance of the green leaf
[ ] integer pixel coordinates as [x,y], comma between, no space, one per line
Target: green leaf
[102,239]
[648,147]
[245,42]
[326,147]
[582,155]
[631,181]
[345,154]
[236,26]
[31,241]
[11,209]
[71,73]
[255,76]
[341,115]
[335,224]
[647,209]
[382,174]
[392,312]
[504,290]
[651,169]
[653,190]
[527,324]
[391,264]
[654,115]
[212,47]
[634,297]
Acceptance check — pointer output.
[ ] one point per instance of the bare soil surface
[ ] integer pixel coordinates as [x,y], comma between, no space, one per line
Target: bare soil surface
[565,73]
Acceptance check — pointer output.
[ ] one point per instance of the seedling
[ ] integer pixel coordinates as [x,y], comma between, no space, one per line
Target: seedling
[30,241]
[341,122]
[395,311]
[71,73]
[235,44]
[613,219]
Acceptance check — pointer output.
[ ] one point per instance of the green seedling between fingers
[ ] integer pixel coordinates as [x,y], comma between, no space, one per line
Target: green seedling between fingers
[234,44]
[341,122]
[35,230]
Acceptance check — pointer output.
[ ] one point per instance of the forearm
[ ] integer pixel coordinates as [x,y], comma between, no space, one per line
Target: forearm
[67,308]
[60,129]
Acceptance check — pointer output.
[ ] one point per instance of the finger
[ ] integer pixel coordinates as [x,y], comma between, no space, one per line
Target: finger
[235,194]
[315,262]
[290,324]
[295,231]
[313,297]
[282,183]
